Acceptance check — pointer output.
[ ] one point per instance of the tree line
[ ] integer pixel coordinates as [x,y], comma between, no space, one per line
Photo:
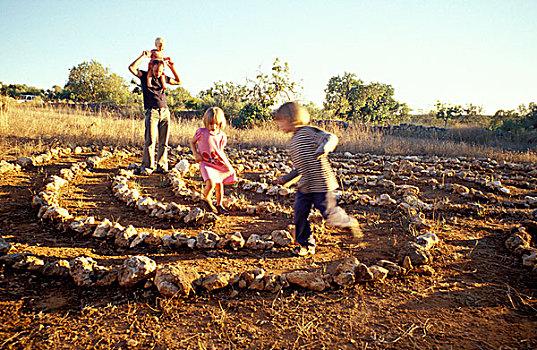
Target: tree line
[251,102]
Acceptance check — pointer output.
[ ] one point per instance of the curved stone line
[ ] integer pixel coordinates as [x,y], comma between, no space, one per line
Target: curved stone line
[129,237]
[176,280]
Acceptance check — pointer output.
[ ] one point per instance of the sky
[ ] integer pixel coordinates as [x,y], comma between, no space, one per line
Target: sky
[482,52]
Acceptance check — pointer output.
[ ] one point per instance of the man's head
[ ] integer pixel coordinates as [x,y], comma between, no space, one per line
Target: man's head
[157,66]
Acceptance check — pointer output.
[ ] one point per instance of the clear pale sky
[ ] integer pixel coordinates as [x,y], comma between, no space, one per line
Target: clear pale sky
[482,52]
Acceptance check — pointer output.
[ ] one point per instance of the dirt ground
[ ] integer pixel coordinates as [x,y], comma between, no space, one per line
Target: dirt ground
[481,297]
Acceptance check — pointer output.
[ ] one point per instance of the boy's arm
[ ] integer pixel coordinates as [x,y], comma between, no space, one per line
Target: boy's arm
[328,144]
[283,179]
[175,80]
[133,68]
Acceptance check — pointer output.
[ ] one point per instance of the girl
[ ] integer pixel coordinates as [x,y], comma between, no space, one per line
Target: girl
[157,54]
[215,168]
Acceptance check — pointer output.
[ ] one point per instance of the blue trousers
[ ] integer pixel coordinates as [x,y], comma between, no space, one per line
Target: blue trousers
[326,202]
[302,208]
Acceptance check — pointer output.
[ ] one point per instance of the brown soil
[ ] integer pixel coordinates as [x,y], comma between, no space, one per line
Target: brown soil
[481,296]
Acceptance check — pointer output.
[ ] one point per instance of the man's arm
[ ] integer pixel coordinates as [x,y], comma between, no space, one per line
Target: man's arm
[133,68]
[175,80]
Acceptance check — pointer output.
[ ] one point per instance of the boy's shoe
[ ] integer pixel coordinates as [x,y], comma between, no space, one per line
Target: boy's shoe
[209,207]
[222,210]
[303,251]
[355,230]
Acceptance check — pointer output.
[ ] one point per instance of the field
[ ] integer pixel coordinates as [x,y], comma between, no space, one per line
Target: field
[473,288]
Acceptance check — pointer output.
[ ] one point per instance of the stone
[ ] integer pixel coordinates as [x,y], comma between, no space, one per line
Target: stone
[102,229]
[11,259]
[257,243]
[152,239]
[138,239]
[530,260]
[247,278]
[81,270]
[174,280]
[425,270]
[282,238]
[210,218]
[183,167]
[234,240]
[191,243]
[105,276]
[306,279]
[362,273]
[4,246]
[418,254]
[379,273]
[136,269]
[123,238]
[29,262]
[518,239]
[427,240]
[393,268]
[273,283]
[194,216]
[407,263]
[58,268]
[219,280]
[207,239]
[24,161]
[344,275]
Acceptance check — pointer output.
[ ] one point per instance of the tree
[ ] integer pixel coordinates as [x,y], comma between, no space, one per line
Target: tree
[347,97]
[179,98]
[249,104]
[266,90]
[447,112]
[91,82]
[229,96]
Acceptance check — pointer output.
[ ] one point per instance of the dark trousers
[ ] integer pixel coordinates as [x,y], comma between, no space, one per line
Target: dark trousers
[327,204]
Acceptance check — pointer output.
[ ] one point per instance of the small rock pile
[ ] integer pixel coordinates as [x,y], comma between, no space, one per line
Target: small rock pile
[519,242]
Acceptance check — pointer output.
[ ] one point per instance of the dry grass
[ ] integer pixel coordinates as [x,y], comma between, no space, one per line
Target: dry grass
[29,130]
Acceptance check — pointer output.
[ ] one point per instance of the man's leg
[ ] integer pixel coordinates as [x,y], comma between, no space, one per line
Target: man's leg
[163,137]
[151,131]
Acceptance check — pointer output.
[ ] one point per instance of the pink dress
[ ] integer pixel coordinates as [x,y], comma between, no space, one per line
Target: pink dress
[215,165]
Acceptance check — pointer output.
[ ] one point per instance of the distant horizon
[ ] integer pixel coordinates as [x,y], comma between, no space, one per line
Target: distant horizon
[458,52]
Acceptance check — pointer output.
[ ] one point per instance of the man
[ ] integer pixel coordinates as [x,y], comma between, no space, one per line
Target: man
[157,114]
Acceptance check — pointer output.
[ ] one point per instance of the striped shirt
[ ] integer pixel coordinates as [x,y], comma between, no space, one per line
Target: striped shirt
[316,173]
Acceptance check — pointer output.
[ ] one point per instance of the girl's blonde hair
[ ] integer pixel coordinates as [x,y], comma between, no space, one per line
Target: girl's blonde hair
[160,40]
[214,115]
[294,113]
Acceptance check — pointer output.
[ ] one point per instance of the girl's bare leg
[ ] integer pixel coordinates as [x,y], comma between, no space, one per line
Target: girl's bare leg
[219,198]
[207,194]
[219,193]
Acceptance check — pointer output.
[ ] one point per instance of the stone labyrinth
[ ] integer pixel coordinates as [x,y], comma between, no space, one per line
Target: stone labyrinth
[417,213]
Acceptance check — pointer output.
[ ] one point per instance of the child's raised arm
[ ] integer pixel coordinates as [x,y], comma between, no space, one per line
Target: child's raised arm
[327,145]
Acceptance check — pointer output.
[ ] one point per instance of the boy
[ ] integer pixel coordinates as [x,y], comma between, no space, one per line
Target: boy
[308,150]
